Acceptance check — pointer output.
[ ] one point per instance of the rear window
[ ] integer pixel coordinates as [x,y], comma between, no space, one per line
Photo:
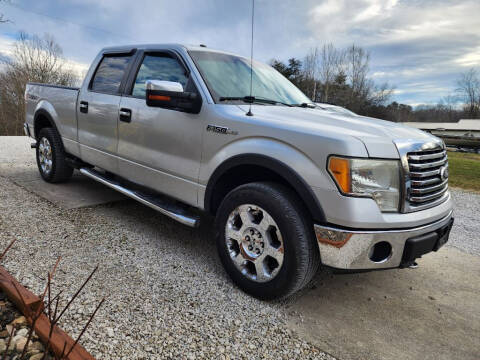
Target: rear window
[110,73]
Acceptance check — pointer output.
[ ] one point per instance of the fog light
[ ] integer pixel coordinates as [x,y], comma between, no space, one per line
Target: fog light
[380,252]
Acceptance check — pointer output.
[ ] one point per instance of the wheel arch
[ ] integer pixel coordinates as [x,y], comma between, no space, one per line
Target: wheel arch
[245,168]
[42,119]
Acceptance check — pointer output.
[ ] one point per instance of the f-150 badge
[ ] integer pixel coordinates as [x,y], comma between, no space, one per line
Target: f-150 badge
[221,130]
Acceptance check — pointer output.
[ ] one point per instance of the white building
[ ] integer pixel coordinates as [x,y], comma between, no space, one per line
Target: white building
[465,133]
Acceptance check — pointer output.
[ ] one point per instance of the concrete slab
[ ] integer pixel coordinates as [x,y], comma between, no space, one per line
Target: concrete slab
[432,312]
[78,192]
[15,149]
[17,163]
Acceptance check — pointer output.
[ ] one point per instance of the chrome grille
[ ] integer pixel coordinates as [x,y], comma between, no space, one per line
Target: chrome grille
[428,174]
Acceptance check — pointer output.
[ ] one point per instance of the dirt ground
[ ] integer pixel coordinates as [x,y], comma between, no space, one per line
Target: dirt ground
[432,312]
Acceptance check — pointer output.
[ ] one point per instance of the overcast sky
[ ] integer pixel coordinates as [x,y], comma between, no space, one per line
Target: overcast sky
[419,46]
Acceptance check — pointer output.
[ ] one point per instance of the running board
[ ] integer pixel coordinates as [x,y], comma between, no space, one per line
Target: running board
[155,202]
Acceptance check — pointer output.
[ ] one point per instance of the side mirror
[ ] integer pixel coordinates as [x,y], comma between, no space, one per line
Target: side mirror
[170,95]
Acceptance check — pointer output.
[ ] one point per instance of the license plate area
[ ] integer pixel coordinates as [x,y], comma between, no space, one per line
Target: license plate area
[443,234]
[420,245]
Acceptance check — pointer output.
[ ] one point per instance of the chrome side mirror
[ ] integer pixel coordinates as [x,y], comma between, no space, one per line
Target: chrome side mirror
[163,85]
[170,95]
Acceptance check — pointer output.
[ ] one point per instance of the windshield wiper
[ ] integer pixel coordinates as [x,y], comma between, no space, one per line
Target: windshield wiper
[252,99]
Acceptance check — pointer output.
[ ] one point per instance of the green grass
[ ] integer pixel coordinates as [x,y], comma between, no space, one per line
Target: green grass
[464,169]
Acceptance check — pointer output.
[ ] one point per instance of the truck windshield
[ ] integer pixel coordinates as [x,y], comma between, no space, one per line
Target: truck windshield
[228,76]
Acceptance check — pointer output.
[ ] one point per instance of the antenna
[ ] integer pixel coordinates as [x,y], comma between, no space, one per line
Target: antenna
[249,113]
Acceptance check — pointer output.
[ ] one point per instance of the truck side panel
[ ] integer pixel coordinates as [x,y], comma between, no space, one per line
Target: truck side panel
[60,104]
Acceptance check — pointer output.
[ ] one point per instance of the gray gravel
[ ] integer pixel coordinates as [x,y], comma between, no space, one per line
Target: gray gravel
[168,296]
[466,229]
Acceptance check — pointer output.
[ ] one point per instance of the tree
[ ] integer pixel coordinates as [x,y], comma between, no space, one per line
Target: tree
[310,69]
[34,59]
[469,89]
[292,71]
[338,76]
[330,68]
[449,105]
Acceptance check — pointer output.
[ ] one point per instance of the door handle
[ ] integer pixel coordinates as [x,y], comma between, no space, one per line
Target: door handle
[125,115]
[84,107]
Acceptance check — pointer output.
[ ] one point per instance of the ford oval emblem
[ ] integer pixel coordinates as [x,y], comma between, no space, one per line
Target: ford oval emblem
[444,173]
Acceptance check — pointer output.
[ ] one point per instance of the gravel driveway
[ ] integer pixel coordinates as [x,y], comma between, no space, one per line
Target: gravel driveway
[168,296]
[465,234]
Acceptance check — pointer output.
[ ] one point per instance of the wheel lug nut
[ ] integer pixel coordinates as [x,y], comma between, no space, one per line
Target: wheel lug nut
[262,244]
[252,232]
[250,247]
[257,251]
[247,238]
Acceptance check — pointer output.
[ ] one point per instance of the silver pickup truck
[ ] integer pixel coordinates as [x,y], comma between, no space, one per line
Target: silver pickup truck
[292,184]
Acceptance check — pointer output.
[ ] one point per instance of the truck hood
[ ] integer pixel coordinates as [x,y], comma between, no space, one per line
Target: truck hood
[377,135]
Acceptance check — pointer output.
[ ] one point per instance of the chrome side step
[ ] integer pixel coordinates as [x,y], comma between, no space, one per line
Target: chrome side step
[157,203]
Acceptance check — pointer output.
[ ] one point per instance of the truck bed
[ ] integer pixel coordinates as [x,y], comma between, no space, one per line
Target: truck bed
[61,102]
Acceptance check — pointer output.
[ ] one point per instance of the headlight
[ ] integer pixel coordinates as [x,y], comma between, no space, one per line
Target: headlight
[377,179]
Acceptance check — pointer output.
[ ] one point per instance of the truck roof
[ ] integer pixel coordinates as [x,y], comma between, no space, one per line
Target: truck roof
[175,46]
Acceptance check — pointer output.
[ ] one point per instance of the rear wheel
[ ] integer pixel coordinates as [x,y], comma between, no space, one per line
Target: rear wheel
[51,157]
[265,240]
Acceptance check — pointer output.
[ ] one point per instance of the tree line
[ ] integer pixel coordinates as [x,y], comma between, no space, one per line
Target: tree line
[342,77]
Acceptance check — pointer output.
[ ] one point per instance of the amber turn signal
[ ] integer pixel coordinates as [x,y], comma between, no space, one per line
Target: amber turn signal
[159,97]
[340,170]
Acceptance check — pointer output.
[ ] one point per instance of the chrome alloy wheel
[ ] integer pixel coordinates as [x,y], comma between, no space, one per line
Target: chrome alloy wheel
[254,243]
[45,155]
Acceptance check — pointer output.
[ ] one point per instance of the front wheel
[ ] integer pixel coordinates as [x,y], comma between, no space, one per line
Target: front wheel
[265,240]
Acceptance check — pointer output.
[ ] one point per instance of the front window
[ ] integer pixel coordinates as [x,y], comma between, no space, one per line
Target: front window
[158,67]
[228,76]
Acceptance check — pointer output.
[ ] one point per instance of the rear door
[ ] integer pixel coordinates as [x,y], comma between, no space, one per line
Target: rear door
[160,148]
[97,111]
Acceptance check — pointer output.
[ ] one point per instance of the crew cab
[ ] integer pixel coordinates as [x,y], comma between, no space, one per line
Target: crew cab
[292,184]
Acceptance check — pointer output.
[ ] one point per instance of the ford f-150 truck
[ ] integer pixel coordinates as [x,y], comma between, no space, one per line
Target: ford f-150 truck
[292,184]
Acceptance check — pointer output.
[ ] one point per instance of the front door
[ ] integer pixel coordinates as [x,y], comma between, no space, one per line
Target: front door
[98,105]
[160,148]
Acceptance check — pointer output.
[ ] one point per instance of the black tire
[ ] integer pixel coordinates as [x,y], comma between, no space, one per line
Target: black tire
[301,257]
[59,171]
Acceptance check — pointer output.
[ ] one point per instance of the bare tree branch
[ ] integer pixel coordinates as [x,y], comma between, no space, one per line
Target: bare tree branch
[34,59]
[469,89]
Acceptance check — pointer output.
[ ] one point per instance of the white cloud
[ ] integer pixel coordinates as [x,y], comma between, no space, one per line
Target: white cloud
[471,59]
[6,46]
[390,21]
[375,8]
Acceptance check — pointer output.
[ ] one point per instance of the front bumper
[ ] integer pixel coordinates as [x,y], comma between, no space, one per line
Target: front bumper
[379,249]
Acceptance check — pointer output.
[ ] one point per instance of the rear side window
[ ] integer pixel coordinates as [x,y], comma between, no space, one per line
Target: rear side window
[110,73]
